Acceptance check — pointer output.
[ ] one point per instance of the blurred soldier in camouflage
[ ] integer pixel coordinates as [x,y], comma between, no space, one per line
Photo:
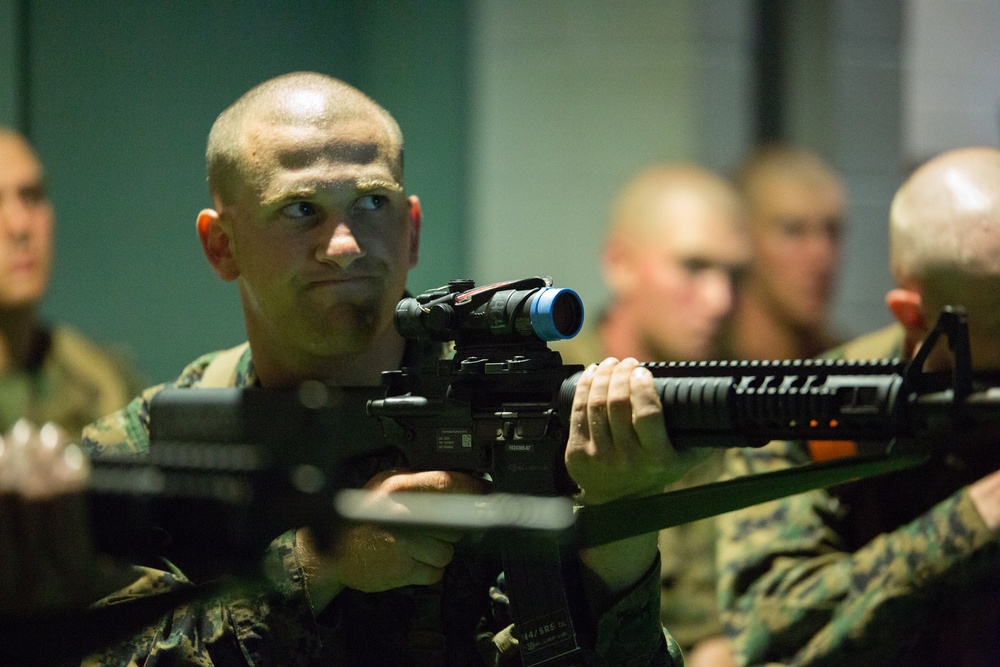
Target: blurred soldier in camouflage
[676,248]
[796,212]
[47,374]
[311,221]
[902,569]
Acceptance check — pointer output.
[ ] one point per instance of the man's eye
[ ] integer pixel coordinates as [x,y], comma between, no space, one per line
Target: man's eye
[299,210]
[372,202]
[793,228]
[834,229]
[33,195]
[737,275]
[694,266]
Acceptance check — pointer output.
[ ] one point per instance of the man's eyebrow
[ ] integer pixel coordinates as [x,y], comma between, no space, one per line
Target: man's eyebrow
[366,185]
[309,190]
[36,186]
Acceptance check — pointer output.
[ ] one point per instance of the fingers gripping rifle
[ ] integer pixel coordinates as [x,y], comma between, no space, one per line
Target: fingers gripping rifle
[251,463]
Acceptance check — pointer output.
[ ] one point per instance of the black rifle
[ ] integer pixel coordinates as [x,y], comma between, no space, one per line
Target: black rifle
[251,463]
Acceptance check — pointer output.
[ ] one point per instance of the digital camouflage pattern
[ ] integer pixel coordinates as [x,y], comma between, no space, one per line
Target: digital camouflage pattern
[461,621]
[894,570]
[70,382]
[688,606]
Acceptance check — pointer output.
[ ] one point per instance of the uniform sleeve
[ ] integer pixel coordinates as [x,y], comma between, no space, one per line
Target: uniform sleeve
[259,624]
[127,430]
[791,592]
[628,632]
[688,605]
[263,623]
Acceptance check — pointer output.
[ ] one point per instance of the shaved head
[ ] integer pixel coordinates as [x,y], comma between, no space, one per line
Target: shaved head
[776,165]
[15,141]
[947,217]
[945,242]
[303,99]
[8,134]
[665,196]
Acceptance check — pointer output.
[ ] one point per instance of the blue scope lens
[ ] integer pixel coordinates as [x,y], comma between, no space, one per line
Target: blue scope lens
[556,313]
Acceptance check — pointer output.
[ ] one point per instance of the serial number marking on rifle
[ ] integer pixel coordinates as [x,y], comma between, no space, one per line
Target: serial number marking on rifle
[549,631]
[454,438]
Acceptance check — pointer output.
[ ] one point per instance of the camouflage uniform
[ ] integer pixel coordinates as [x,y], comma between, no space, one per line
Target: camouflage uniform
[898,569]
[70,381]
[688,608]
[414,625]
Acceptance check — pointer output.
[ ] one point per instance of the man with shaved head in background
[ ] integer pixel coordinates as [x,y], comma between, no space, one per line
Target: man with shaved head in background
[47,374]
[676,248]
[312,222]
[902,569]
[796,213]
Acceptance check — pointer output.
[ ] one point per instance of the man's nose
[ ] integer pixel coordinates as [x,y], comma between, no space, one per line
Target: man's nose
[14,219]
[822,250]
[342,248]
[718,292]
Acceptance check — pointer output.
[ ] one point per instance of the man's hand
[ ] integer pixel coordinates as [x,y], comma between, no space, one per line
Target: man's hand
[985,494]
[47,561]
[618,448]
[618,445]
[371,557]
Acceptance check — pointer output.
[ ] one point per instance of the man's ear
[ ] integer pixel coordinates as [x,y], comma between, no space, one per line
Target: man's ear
[415,220]
[216,241]
[907,307]
[618,265]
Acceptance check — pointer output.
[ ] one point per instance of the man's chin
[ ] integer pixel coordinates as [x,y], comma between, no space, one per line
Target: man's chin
[348,330]
[692,352]
[20,299]
[812,317]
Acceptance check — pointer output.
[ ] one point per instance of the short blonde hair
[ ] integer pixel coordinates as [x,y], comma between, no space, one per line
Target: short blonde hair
[227,161]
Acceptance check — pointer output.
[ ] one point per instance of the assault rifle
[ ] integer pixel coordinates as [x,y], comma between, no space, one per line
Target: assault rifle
[251,463]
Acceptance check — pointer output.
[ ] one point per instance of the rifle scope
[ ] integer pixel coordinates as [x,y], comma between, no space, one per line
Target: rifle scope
[512,311]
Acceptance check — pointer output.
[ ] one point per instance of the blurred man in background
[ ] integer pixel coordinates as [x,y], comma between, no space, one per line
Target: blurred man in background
[674,254]
[47,374]
[796,213]
[902,569]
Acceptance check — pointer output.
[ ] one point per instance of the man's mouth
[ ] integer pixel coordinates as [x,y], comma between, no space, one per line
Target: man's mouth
[23,264]
[341,280]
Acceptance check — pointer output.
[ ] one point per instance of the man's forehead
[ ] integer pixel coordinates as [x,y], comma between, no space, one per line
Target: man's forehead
[711,237]
[788,189]
[17,160]
[358,141]
[287,158]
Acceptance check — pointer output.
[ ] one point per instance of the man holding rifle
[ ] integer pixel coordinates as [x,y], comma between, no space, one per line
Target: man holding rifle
[902,569]
[311,221]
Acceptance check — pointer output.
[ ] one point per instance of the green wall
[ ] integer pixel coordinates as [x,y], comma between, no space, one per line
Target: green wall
[121,98]
[9,51]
